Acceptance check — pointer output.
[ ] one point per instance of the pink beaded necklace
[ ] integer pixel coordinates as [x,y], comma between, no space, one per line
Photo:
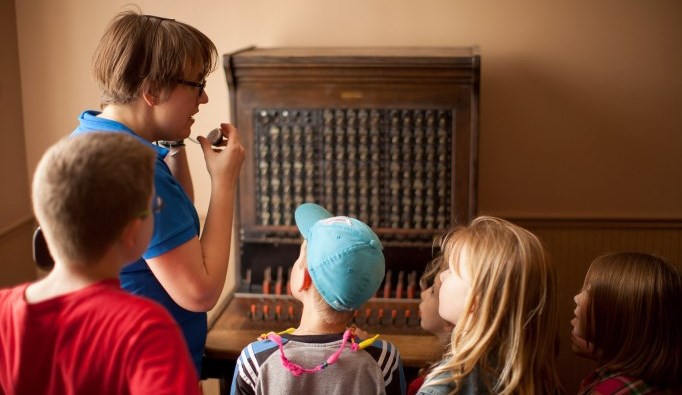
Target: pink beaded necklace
[298,370]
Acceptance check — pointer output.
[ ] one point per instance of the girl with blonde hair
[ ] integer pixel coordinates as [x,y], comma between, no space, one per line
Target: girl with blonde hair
[627,320]
[500,293]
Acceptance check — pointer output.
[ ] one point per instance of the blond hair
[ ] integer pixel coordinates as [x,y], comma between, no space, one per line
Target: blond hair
[87,188]
[632,316]
[432,269]
[145,53]
[508,330]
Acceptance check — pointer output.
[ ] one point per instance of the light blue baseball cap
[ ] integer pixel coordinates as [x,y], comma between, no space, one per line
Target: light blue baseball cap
[344,256]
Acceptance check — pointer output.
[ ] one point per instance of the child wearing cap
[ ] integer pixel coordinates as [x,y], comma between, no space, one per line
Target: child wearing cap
[76,331]
[339,268]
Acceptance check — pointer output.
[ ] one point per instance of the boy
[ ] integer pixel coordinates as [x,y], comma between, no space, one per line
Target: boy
[76,331]
[339,268]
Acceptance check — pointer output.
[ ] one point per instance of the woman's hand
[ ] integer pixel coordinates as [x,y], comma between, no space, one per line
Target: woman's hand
[224,163]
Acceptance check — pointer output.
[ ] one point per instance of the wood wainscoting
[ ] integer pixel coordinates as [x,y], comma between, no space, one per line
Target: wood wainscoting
[574,243]
[16,254]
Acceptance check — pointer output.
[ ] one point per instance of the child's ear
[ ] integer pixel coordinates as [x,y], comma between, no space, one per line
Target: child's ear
[307,281]
[131,239]
[149,98]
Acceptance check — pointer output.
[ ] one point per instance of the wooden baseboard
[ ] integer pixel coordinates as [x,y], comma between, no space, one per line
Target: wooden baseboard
[620,223]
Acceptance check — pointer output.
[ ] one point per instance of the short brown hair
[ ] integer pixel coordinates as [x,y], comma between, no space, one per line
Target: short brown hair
[326,312]
[87,188]
[632,316]
[145,53]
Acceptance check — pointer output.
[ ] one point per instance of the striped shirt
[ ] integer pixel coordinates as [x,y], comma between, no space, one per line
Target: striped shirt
[376,369]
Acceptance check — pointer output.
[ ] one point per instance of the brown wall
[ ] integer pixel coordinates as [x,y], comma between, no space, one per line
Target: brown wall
[15,207]
[579,98]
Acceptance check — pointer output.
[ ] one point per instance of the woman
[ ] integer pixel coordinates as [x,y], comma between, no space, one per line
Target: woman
[151,73]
